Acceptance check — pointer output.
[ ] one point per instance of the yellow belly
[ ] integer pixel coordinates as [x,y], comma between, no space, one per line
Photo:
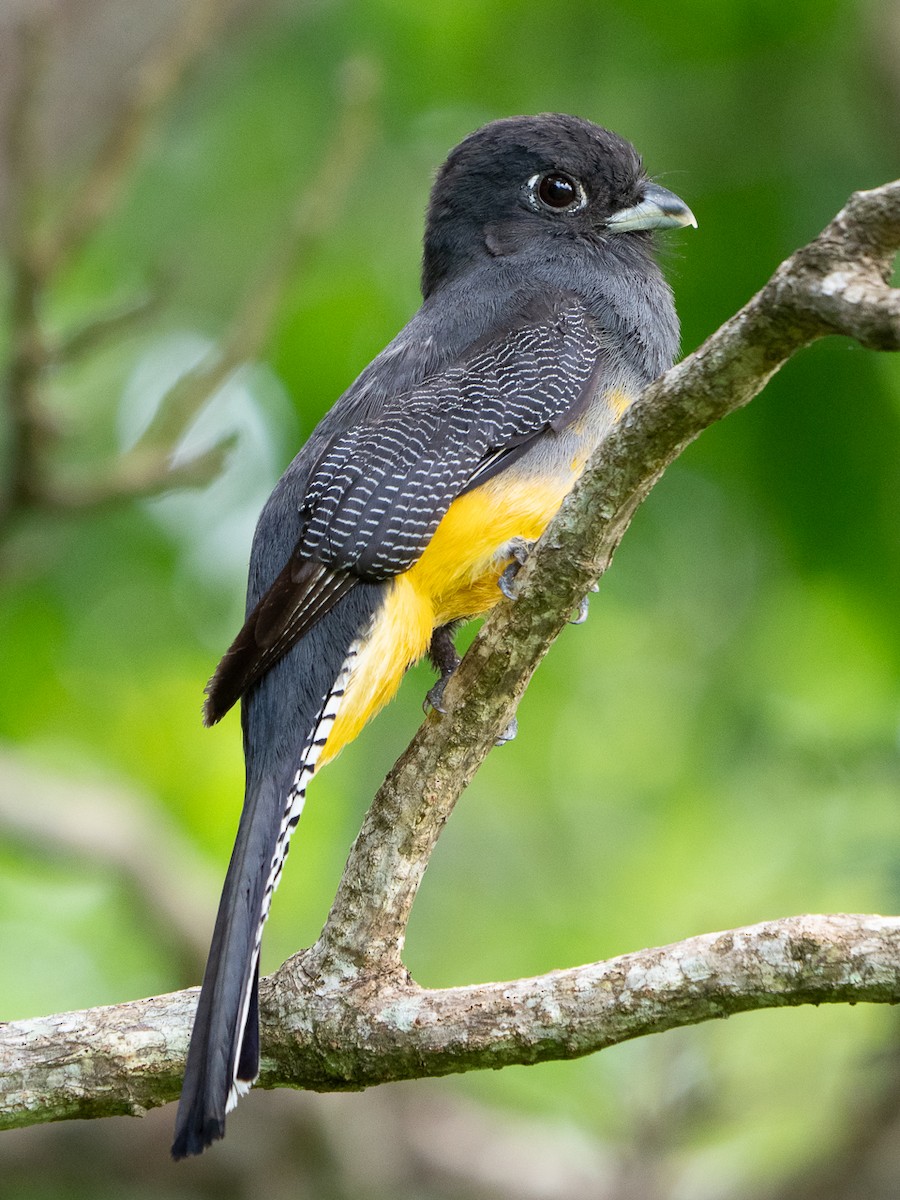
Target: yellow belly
[459,570]
[457,575]
[455,578]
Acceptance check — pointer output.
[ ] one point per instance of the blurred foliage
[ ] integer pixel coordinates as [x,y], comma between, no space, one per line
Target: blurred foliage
[717,746]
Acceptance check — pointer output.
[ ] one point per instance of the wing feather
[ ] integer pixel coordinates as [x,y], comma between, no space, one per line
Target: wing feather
[382,485]
[301,595]
[381,488]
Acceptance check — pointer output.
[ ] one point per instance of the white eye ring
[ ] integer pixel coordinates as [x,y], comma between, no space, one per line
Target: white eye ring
[535,202]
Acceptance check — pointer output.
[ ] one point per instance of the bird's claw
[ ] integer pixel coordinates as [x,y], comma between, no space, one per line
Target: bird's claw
[506,582]
[434,697]
[508,733]
[582,613]
[519,548]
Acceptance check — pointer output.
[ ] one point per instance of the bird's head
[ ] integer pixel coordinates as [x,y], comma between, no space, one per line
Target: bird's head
[525,182]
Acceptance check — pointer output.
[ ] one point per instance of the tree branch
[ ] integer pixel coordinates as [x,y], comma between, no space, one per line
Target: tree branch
[129,1057]
[345,1014]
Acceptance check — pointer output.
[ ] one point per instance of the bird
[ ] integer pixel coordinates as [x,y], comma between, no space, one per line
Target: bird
[544,315]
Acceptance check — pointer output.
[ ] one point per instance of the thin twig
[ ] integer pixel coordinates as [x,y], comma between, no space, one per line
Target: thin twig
[316,210]
[27,356]
[146,469]
[137,475]
[104,328]
[158,78]
[36,258]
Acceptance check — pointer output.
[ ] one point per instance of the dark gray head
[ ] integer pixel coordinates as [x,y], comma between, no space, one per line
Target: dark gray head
[523,180]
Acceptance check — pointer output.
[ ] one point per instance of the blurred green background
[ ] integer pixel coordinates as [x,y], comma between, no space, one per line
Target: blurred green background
[717,746]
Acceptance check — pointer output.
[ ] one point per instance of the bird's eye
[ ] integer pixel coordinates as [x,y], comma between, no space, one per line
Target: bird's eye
[558,191]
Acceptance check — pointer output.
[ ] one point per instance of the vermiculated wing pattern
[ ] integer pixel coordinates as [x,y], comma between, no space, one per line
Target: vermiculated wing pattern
[381,488]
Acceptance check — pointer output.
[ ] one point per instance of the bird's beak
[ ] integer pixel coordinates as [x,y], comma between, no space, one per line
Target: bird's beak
[659,209]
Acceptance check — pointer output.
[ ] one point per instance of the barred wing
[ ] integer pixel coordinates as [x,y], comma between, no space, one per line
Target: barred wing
[381,486]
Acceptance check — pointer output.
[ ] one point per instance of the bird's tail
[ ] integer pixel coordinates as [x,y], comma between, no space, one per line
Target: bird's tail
[223,1058]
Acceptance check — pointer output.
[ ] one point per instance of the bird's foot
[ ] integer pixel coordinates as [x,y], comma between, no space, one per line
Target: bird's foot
[508,733]
[519,548]
[582,614]
[434,697]
[442,653]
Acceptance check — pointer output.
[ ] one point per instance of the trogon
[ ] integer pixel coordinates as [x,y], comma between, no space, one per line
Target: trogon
[544,315]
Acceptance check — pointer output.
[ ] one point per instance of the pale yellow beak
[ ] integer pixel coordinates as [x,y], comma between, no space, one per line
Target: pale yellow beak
[659,209]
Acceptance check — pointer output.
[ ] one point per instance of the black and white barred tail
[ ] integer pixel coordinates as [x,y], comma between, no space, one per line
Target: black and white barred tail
[244,1074]
[223,1058]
